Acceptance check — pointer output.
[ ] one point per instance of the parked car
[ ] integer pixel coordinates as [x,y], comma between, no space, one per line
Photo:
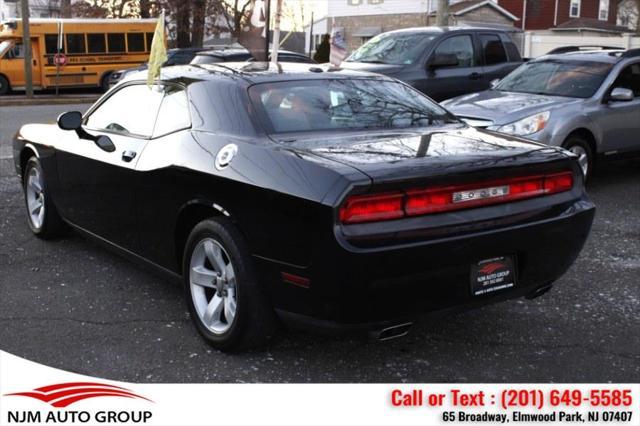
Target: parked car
[441,62]
[587,102]
[240,55]
[174,57]
[336,200]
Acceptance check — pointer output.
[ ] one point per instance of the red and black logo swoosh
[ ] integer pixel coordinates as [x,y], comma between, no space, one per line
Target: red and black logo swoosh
[492,267]
[64,394]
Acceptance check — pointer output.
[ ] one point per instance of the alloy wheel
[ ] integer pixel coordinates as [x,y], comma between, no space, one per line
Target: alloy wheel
[35,197]
[213,286]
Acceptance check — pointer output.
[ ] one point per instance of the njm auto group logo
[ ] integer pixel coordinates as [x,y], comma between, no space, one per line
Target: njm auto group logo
[62,396]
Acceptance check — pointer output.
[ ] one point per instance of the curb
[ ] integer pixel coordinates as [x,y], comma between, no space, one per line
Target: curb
[47,101]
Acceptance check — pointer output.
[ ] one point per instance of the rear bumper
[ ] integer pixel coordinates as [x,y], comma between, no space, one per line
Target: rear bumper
[366,290]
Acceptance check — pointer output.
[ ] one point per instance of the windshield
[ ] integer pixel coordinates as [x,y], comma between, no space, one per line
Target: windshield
[4,46]
[313,105]
[575,79]
[393,48]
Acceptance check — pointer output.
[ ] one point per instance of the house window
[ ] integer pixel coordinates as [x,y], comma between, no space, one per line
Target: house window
[603,13]
[574,8]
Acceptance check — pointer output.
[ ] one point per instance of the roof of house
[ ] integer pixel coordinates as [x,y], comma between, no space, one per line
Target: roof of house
[466,6]
[590,24]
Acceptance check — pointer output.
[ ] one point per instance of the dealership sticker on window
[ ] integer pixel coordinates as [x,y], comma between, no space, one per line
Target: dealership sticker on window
[492,275]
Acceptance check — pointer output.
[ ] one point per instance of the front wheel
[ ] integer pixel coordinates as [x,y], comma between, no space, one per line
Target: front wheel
[226,303]
[43,218]
[4,85]
[581,148]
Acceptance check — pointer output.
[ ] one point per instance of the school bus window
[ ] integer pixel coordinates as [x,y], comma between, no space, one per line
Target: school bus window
[149,40]
[51,44]
[96,43]
[116,43]
[135,42]
[75,43]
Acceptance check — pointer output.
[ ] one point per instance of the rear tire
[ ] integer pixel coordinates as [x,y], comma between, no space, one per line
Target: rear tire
[227,304]
[4,85]
[580,146]
[42,216]
[104,83]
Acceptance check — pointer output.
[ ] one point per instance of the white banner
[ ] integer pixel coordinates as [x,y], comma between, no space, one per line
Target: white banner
[33,394]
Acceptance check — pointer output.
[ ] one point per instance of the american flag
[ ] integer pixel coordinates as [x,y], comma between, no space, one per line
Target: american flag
[338,47]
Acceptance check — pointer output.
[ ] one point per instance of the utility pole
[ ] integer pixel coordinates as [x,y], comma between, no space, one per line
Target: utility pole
[276,32]
[26,44]
[311,36]
[442,18]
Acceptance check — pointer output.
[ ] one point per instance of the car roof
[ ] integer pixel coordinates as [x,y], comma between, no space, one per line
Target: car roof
[443,30]
[610,56]
[256,72]
[235,51]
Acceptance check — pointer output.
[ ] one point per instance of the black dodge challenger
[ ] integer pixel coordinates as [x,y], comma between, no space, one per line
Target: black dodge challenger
[324,198]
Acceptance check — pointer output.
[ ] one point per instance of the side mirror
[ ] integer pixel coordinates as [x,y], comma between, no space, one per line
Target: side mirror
[494,83]
[620,94]
[444,60]
[105,143]
[71,120]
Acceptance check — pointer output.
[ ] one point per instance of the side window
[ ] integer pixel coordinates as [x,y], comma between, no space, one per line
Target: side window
[131,110]
[629,78]
[174,112]
[51,43]
[116,43]
[135,42]
[75,43]
[459,46]
[149,40]
[96,43]
[492,49]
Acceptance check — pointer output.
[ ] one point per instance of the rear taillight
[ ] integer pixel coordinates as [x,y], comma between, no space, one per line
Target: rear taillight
[372,208]
[369,208]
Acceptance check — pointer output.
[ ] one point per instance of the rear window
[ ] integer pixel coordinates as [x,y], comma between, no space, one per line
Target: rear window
[317,105]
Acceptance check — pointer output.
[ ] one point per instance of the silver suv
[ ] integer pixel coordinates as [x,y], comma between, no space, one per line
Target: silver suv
[587,102]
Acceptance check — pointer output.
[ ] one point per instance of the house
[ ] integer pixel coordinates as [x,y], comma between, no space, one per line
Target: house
[599,16]
[629,15]
[361,20]
[37,9]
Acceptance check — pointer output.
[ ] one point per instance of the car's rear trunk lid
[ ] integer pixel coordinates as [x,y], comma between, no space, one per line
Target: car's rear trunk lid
[408,156]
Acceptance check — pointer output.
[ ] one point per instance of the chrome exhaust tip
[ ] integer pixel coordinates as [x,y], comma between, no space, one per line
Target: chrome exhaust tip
[392,332]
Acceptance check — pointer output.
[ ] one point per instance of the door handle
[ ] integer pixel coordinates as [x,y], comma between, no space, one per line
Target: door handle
[128,156]
[474,76]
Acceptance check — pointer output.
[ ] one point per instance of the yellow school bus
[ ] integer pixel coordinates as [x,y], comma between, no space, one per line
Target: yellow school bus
[90,51]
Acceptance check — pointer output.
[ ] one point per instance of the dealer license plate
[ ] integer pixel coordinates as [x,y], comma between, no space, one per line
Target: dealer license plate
[491,275]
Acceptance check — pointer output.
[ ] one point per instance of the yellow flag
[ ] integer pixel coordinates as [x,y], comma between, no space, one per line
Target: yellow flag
[158,54]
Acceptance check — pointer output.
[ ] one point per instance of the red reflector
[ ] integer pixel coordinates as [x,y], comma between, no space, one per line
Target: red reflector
[369,208]
[296,280]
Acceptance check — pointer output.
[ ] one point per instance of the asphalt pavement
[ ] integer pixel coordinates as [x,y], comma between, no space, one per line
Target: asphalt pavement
[73,305]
